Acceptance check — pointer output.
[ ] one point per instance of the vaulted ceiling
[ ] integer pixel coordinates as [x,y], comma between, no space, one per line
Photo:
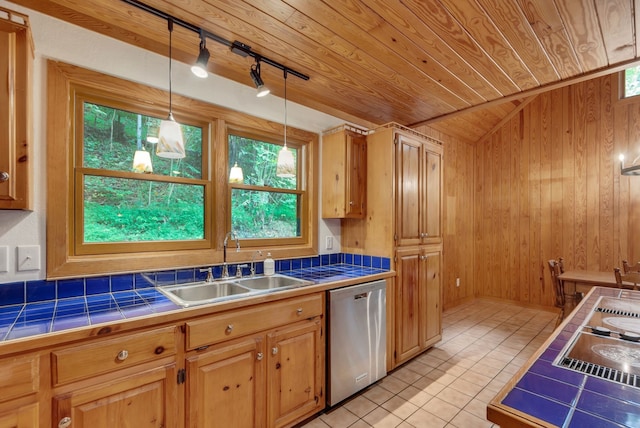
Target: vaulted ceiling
[458,65]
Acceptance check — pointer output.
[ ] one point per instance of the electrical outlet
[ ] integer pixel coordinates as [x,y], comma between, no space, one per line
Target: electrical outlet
[457,282]
[328,243]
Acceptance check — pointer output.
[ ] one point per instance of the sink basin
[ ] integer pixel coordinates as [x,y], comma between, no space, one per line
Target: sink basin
[272,282]
[203,292]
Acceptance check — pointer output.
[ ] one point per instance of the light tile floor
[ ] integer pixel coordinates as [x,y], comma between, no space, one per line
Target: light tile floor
[484,342]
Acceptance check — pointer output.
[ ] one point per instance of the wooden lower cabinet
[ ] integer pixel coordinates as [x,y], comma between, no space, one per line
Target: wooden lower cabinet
[241,384]
[295,373]
[225,385]
[418,301]
[146,399]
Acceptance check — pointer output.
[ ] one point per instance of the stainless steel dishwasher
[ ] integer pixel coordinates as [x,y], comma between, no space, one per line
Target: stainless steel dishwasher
[357,338]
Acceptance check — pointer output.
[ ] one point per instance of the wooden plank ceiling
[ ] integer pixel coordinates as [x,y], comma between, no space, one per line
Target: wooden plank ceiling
[458,65]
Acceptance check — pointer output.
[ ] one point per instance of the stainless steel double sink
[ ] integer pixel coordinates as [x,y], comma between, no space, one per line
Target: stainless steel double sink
[203,292]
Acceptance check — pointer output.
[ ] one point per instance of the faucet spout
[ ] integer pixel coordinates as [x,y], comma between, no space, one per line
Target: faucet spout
[232,235]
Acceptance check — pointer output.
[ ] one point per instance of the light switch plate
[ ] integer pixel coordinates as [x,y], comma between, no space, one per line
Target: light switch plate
[4,259]
[329,243]
[28,257]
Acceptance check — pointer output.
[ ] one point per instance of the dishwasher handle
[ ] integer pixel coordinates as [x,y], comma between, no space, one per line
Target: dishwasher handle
[361,295]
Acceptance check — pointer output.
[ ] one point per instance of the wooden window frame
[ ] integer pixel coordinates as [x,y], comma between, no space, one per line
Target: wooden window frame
[64,262]
[301,187]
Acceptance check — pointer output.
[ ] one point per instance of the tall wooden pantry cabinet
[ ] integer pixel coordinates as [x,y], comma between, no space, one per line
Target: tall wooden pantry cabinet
[404,222]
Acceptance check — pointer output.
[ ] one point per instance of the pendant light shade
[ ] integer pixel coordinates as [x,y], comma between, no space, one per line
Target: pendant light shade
[170,142]
[142,162]
[236,176]
[286,166]
[152,134]
[170,139]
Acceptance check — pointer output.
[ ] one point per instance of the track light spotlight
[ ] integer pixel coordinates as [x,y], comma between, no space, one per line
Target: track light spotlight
[257,80]
[200,67]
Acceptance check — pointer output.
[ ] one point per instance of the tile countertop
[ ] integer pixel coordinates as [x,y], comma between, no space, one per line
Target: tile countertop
[20,321]
[542,394]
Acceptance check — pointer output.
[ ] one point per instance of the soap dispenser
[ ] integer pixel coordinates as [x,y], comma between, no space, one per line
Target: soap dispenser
[269,265]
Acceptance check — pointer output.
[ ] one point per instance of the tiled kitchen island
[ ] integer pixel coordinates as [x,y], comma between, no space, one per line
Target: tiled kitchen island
[590,393]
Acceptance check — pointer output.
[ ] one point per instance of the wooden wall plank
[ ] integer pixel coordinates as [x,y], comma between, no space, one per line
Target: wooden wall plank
[564,184]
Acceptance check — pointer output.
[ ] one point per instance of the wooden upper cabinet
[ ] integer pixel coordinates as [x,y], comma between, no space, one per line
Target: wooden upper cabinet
[16,57]
[419,198]
[344,172]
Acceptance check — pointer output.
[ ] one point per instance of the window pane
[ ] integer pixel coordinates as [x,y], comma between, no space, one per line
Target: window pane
[126,210]
[112,136]
[258,214]
[258,162]
[632,82]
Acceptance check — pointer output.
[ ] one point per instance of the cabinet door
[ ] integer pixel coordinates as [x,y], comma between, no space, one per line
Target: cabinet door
[357,175]
[225,386]
[431,219]
[409,185]
[408,283]
[15,144]
[147,399]
[432,312]
[20,417]
[295,373]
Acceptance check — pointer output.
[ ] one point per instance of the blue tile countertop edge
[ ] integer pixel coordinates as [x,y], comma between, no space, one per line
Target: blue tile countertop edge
[32,308]
[566,398]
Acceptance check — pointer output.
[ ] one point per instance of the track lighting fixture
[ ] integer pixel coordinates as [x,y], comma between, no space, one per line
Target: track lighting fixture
[633,169]
[200,67]
[257,80]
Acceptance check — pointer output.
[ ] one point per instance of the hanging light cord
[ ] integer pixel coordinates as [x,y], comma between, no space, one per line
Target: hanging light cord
[285,108]
[170,25]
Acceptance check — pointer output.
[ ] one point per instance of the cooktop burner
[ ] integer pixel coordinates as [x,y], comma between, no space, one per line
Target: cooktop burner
[607,345]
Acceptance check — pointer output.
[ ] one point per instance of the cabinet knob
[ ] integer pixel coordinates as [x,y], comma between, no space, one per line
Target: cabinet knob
[299,311]
[64,422]
[229,329]
[259,356]
[274,351]
[122,355]
[423,257]
[350,203]
[4,176]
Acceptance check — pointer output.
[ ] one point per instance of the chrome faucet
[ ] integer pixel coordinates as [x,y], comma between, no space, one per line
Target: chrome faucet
[209,277]
[225,268]
[253,261]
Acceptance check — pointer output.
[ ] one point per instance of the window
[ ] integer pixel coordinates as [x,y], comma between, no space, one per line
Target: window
[117,205]
[103,217]
[631,82]
[265,209]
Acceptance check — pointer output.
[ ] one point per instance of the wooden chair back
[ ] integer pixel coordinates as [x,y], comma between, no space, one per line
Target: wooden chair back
[558,291]
[626,267]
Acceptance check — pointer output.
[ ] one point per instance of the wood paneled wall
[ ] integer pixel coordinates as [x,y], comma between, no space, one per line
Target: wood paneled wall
[548,184]
[458,260]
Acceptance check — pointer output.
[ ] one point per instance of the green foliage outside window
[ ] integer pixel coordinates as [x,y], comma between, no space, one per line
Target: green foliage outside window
[256,213]
[632,82]
[137,209]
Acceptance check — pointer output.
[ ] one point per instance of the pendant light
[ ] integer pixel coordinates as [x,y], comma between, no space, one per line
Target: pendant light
[170,140]
[235,175]
[286,166]
[142,162]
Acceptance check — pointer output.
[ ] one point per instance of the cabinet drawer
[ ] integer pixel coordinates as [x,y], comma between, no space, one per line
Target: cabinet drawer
[242,322]
[102,356]
[20,376]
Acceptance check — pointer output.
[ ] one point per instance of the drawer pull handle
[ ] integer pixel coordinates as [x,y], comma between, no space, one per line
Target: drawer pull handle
[229,329]
[4,176]
[64,422]
[122,355]
[274,351]
[259,356]
[299,311]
